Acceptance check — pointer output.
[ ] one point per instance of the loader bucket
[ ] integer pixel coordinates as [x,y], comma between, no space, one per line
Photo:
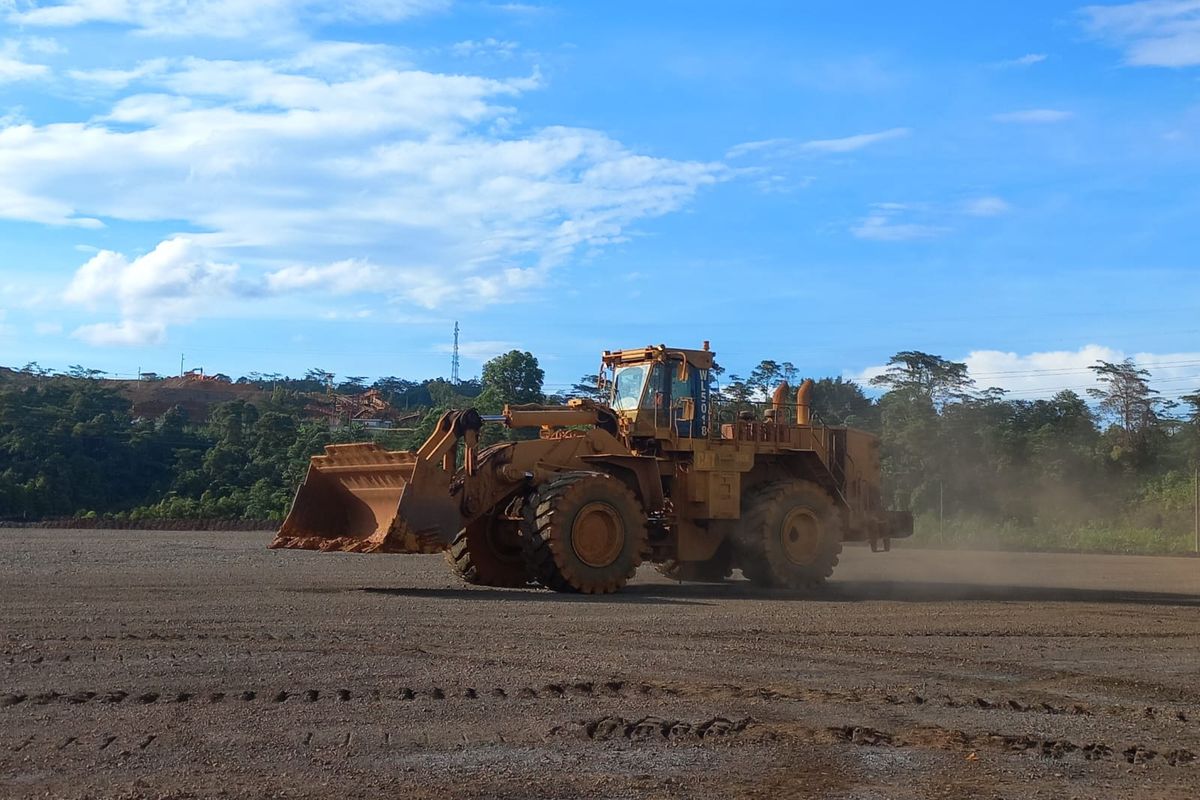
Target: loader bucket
[351,501]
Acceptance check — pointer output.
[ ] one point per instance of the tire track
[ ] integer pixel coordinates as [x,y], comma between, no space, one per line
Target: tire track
[65,745]
[585,690]
[653,728]
[1056,749]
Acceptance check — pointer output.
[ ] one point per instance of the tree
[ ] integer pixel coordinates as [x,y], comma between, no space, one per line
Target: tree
[928,377]
[1191,430]
[69,445]
[737,390]
[443,394]
[1192,401]
[588,387]
[769,374]
[919,386]
[84,373]
[1125,397]
[1054,440]
[513,378]
[836,401]
[317,379]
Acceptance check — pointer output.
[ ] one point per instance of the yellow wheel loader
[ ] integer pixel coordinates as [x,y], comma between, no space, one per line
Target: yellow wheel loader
[662,473]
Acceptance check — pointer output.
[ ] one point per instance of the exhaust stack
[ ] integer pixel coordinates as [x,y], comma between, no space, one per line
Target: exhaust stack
[803,406]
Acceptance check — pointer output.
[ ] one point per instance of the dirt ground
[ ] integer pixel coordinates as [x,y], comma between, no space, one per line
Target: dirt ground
[142,664]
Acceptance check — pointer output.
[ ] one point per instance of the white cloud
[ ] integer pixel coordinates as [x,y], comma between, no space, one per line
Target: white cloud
[987,207]
[763,145]
[518,8]
[1043,374]
[45,45]
[339,172]
[172,283]
[1027,60]
[126,333]
[343,277]
[479,350]
[882,228]
[1152,33]
[886,223]
[794,147]
[118,78]
[851,143]
[47,328]
[1034,116]
[217,18]
[902,222]
[495,48]
[359,314]
[16,204]
[774,183]
[13,67]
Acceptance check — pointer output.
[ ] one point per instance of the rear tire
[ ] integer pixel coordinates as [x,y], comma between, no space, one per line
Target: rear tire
[488,553]
[584,532]
[791,535]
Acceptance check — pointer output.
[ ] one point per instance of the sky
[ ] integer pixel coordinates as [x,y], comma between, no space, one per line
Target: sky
[293,184]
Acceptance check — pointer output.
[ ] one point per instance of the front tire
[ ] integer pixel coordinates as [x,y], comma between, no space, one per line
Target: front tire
[791,535]
[584,532]
[488,553]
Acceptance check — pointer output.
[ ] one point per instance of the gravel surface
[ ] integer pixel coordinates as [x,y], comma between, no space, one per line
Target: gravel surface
[143,664]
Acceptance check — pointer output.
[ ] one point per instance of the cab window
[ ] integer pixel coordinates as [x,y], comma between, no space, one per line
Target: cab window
[627,388]
[655,389]
[679,389]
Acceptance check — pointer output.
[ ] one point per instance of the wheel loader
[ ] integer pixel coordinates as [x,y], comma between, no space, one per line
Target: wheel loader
[661,473]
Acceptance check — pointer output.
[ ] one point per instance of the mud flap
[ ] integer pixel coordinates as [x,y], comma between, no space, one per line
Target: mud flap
[893,525]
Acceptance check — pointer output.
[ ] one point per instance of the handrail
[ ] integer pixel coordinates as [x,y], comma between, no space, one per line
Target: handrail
[817,432]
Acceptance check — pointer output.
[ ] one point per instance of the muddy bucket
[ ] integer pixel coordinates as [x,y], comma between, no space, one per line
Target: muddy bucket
[349,502]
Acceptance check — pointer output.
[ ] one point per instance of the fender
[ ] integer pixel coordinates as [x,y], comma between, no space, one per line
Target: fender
[643,470]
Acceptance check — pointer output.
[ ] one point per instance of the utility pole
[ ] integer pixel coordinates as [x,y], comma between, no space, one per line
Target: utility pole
[1196,506]
[454,358]
[941,512]
[181,365]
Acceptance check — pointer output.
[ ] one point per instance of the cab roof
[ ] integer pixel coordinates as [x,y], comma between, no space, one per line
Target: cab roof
[701,359]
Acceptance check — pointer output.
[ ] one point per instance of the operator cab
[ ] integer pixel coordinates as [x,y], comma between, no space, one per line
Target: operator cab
[661,392]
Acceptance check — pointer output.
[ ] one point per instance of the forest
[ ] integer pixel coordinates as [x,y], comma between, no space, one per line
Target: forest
[1110,471]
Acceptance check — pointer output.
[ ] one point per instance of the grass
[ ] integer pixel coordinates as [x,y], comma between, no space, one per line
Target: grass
[1091,537]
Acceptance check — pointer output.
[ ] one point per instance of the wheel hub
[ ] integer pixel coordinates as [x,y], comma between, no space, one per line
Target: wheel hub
[501,539]
[800,536]
[598,534]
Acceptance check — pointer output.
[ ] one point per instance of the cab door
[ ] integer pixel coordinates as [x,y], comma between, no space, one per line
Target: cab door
[687,423]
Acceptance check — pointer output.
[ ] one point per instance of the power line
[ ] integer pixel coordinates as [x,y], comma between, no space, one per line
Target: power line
[1082,370]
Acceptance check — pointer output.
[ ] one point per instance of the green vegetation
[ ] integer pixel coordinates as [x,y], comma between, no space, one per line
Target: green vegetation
[978,469]
[1110,472]
[70,444]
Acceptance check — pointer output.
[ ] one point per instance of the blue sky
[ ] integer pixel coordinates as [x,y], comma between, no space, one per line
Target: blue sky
[289,184]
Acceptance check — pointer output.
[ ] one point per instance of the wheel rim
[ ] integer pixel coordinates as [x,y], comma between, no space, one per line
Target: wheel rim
[598,534]
[800,536]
